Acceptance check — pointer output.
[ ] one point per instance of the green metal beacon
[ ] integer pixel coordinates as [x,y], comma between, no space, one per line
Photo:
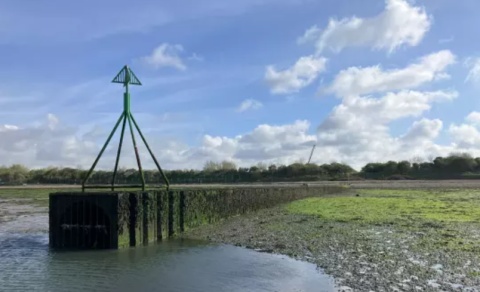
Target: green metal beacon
[125,77]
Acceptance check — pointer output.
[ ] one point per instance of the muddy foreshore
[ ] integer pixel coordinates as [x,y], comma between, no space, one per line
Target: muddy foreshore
[359,257]
[17,215]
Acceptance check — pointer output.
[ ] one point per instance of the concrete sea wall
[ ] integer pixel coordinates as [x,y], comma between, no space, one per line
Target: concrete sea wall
[127,219]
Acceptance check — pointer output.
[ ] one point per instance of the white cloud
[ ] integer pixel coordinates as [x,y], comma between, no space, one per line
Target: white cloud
[466,136]
[52,121]
[166,55]
[442,76]
[363,113]
[351,134]
[279,144]
[423,130]
[195,57]
[310,34]
[354,80]
[52,143]
[8,128]
[474,118]
[49,143]
[249,104]
[357,130]
[42,145]
[399,24]
[473,65]
[300,75]
[283,144]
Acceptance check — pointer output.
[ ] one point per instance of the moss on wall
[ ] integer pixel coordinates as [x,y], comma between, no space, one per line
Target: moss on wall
[144,217]
[123,220]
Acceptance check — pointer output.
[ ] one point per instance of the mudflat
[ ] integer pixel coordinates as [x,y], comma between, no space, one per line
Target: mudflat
[383,236]
[372,240]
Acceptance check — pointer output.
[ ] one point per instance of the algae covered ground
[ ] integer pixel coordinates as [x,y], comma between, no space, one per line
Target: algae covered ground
[395,206]
[416,236]
[372,240]
[30,196]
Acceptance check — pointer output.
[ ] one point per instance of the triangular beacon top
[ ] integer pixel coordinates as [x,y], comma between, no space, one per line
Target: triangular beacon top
[126,76]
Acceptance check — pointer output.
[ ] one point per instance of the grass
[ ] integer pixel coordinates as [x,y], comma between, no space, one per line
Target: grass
[31,193]
[37,197]
[448,219]
[394,206]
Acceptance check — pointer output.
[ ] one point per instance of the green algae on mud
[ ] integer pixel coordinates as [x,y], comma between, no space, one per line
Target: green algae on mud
[441,219]
[381,240]
[36,197]
[394,206]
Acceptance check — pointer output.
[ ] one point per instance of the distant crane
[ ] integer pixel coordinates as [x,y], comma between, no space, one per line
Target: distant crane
[311,153]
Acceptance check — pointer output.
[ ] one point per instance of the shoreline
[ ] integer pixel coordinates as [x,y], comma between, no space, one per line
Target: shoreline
[361,257]
[401,252]
[355,184]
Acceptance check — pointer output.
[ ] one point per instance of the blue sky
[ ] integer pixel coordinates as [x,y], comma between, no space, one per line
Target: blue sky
[59,57]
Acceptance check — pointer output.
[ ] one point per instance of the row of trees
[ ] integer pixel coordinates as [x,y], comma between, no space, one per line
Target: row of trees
[222,172]
[452,166]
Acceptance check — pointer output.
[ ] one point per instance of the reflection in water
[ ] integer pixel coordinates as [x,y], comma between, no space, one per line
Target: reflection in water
[26,264]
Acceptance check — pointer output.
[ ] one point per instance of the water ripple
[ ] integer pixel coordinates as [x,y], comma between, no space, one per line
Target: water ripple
[27,264]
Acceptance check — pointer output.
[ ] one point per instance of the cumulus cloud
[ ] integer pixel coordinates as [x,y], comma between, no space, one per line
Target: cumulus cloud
[310,34]
[43,145]
[423,130]
[249,104]
[474,118]
[355,81]
[300,75]
[357,129]
[5,128]
[52,121]
[465,136]
[268,143]
[166,55]
[357,138]
[195,57]
[473,65]
[49,143]
[357,141]
[279,144]
[399,24]
[364,112]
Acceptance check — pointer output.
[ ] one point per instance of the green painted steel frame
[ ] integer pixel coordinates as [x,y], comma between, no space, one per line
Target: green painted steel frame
[126,77]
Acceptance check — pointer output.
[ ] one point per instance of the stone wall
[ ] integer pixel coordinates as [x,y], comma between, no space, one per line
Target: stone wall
[128,219]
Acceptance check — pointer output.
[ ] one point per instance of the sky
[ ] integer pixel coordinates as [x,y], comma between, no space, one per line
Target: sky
[245,81]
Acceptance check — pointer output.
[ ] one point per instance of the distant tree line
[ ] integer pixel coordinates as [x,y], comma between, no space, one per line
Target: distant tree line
[456,165]
[213,172]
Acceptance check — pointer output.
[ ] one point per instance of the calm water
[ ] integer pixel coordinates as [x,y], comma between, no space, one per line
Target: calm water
[26,264]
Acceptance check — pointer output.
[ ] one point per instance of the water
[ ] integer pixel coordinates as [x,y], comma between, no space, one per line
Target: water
[27,264]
